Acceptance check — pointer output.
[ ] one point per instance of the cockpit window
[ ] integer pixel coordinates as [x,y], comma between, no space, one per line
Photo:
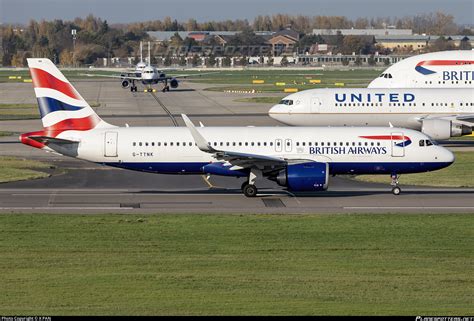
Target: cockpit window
[422,143]
[429,143]
[288,102]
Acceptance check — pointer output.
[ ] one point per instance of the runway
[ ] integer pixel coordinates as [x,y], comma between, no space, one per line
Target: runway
[80,187]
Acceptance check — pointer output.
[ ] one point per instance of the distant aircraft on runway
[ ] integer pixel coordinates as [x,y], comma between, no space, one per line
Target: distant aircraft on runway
[300,159]
[439,113]
[443,69]
[148,76]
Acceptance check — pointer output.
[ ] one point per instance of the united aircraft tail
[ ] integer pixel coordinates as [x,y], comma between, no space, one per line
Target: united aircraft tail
[61,107]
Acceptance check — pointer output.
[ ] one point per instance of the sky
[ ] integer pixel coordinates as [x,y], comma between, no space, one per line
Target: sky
[123,11]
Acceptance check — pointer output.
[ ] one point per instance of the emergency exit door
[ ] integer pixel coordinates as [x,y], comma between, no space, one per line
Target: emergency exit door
[111,139]
[398,145]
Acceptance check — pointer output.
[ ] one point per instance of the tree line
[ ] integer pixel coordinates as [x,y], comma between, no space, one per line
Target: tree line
[96,38]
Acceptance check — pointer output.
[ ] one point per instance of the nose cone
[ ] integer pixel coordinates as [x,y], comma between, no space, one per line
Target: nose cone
[447,156]
[278,112]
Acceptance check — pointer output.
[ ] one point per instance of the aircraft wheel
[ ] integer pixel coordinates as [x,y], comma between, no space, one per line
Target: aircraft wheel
[396,190]
[243,185]
[250,190]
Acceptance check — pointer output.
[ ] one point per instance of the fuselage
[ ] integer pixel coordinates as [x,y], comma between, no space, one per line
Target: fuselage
[172,150]
[372,107]
[444,69]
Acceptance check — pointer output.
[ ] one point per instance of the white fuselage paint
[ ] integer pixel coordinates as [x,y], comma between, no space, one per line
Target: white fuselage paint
[446,69]
[172,149]
[372,107]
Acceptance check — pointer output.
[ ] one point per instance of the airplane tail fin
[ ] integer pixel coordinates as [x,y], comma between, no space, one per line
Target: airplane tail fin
[61,106]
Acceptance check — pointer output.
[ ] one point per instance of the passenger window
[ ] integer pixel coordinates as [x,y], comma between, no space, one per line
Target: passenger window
[134,144]
[140,144]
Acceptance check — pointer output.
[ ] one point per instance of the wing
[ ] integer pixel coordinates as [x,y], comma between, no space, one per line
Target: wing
[190,75]
[128,75]
[240,160]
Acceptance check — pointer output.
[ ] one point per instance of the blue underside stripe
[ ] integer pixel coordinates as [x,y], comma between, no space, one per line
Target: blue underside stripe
[334,168]
[48,105]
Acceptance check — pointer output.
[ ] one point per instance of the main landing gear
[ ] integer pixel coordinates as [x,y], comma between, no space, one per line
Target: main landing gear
[248,187]
[396,190]
[166,87]
[133,88]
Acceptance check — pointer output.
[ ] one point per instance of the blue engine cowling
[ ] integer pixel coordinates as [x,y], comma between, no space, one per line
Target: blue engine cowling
[174,83]
[311,176]
[223,170]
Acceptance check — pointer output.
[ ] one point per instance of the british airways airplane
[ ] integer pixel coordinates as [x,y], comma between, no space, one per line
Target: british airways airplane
[439,113]
[300,159]
[442,69]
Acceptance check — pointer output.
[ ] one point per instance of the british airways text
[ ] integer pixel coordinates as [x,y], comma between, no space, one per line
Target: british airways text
[348,150]
[458,75]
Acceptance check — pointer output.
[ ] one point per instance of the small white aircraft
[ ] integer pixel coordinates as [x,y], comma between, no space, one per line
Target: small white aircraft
[148,75]
[439,113]
[443,69]
[300,159]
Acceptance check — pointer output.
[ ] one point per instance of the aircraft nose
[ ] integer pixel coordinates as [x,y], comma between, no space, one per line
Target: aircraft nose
[276,111]
[448,156]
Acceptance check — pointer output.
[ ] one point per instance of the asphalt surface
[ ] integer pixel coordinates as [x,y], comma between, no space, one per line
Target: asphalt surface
[80,187]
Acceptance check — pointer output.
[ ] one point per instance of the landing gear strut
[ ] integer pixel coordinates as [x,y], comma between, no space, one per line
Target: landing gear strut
[166,87]
[133,88]
[396,190]
[248,188]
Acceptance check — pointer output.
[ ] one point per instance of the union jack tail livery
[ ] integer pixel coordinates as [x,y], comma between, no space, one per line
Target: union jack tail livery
[62,108]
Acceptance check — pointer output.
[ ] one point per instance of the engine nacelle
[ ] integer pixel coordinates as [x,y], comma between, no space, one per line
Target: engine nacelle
[125,83]
[174,83]
[311,176]
[162,75]
[444,129]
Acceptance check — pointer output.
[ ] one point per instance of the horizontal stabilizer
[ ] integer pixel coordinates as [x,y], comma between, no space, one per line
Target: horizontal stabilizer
[52,140]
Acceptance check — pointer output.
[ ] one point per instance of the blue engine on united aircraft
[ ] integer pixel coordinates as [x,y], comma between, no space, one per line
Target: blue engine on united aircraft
[174,83]
[311,176]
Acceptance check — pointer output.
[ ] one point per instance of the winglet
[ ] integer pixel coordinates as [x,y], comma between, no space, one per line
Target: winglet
[198,138]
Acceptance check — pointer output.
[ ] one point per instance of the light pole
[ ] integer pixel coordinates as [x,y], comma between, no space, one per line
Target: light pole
[73,33]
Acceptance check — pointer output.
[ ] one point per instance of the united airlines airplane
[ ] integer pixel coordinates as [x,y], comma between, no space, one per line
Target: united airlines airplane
[439,113]
[300,159]
[443,69]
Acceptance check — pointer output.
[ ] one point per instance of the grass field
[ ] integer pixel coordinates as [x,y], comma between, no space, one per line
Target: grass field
[18,169]
[459,174]
[263,100]
[246,264]
[242,79]
[70,74]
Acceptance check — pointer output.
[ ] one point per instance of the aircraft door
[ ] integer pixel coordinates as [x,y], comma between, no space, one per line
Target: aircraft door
[315,104]
[398,145]
[278,145]
[110,148]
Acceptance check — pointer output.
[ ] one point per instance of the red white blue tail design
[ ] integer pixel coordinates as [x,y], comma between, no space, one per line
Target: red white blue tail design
[61,107]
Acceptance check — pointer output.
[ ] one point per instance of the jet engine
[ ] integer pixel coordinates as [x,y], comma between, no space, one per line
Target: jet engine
[125,83]
[311,176]
[444,129]
[174,83]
